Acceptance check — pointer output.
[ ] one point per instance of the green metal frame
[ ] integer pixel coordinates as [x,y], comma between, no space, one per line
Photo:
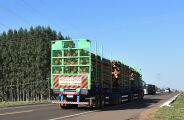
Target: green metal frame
[82,44]
[141,82]
[96,68]
[51,67]
[122,75]
[111,72]
[129,83]
[101,73]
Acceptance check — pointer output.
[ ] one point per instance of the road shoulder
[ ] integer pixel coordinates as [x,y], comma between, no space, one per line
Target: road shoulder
[144,115]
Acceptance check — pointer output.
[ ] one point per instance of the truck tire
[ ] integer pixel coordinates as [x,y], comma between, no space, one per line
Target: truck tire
[119,99]
[61,106]
[102,101]
[68,106]
[142,95]
[130,97]
[97,102]
[73,106]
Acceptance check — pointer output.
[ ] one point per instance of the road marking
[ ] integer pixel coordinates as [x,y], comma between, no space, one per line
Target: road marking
[73,115]
[10,113]
[24,106]
[167,103]
[64,117]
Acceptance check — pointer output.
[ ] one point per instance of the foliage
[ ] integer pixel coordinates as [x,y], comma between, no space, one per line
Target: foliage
[176,112]
[25,63]
[8,104]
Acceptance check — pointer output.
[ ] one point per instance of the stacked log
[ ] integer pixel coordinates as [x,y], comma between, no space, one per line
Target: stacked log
[126,72]
[105,69]
[116,74]
[134,78]
[132,74]
[106,72]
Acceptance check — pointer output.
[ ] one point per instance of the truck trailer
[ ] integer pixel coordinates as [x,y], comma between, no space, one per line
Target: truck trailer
[80,77]
[149,89]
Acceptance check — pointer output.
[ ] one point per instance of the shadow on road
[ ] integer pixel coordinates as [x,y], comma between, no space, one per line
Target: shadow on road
[138,104]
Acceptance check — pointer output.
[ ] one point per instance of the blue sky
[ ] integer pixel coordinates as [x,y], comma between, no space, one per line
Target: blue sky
[147,33]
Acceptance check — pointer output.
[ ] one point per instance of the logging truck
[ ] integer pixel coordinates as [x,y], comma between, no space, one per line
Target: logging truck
[149,89]
[79,76]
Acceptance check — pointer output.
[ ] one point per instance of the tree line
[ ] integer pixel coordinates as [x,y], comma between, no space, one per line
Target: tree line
[25,63]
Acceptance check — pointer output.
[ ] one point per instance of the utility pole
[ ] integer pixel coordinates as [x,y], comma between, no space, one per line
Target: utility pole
[48,80]
[159,79]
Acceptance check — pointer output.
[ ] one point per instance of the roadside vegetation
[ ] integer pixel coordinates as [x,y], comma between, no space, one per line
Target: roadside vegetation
[25,63]
[7,104]
[175,112]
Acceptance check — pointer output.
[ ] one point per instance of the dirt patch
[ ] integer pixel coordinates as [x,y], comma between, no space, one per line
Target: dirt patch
[145,114]
[133,119]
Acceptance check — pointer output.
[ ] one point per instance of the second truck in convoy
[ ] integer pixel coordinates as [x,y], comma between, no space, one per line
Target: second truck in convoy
[149,89]
[80,77]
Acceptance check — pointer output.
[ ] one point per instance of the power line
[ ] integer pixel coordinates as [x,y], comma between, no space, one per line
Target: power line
[49,20]
[3,25]
[26,21]
[43,16]
[43,2]
[27,4]
[15,14]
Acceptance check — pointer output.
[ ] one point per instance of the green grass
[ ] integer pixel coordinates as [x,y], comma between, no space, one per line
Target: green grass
[176,112]
[6,104]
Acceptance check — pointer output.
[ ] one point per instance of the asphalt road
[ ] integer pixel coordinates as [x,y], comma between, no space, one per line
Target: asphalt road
[52,112]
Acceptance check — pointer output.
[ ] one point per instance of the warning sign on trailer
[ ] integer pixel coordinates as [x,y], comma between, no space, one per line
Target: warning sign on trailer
[70,81]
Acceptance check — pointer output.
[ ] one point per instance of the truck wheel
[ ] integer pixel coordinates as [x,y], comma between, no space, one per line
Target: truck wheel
[130,98]
[142,95]
[119,99]
[97,102]
[61,106]
[73,106]
[102,102]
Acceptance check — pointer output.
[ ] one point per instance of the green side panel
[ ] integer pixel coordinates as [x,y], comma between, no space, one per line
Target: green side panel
[111,72]
[101,73]
[96,68]
[84,44]
[89,81]
[71,57]
[90,63]
[51,69]
[78,60]
[57,45]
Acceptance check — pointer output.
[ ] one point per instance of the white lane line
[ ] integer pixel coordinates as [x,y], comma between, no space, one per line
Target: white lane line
[88,112]
[73,115]
[18,112]
[167,103]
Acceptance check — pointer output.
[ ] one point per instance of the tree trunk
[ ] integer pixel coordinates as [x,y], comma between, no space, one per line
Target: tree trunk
[17,92]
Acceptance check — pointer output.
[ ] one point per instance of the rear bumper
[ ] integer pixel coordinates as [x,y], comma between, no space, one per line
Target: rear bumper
[59,102]
[71,92]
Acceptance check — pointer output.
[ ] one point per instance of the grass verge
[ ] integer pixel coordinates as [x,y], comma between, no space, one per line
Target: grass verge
[7,104]
[175,112]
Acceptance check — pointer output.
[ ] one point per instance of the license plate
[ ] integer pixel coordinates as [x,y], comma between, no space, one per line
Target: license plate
[76,81]
[69,96]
